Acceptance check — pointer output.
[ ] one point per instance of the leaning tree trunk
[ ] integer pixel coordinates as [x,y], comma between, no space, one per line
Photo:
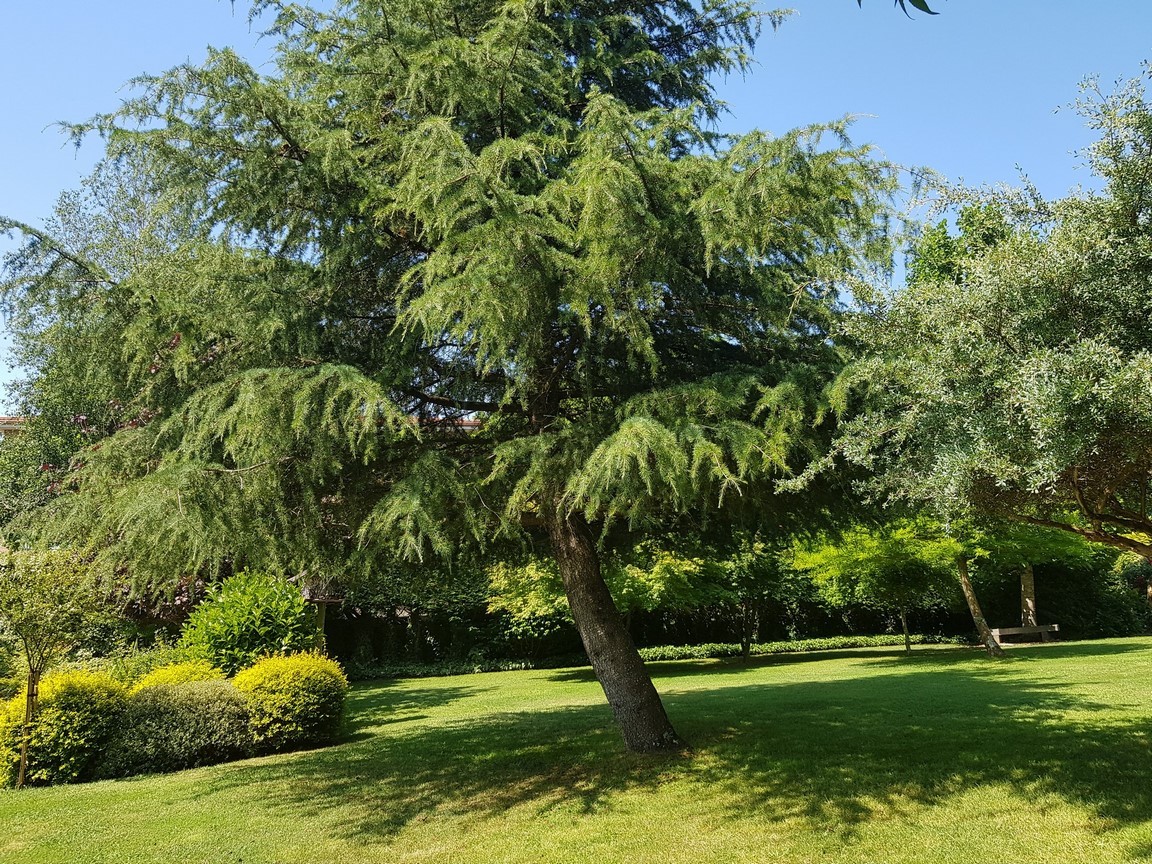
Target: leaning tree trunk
[635,703]
[994,649]
[1027,597]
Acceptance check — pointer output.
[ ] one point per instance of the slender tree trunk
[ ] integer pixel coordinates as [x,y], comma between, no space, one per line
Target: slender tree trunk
[635,703]
[31,703]
[994,649]
[1027,597]
[904,627]
[747,621]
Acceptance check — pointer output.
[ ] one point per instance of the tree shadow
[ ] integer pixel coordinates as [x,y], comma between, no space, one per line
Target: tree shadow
[830,753]
[687,668]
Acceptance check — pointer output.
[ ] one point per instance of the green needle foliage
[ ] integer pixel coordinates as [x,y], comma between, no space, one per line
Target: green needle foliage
[514,213]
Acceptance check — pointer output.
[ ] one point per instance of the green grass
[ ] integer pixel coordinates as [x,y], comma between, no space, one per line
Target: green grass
[860,756]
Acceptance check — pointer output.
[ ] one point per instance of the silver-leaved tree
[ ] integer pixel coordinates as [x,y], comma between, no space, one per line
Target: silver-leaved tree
[1011,377]
[457,271]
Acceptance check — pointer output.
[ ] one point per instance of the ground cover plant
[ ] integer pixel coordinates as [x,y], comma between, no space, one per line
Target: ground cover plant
[843,757]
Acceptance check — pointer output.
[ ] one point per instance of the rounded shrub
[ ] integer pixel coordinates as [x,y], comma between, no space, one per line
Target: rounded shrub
[78,713]
[249,616]
[170,727]
[295,701]
[180,673]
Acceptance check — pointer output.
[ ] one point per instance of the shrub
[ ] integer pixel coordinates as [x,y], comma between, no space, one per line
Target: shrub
[133,663]
[180,673]
[170,727]
[249,616]
[295,701]
[10,687]
[78,713]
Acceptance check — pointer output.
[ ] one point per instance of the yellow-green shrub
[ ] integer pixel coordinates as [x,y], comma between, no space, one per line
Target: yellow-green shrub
[79,711]
[180,673]
[295,701]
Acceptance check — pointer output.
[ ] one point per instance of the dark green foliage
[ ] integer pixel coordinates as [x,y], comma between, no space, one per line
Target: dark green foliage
[295,701]
[79,711]
[1089,598]
[795,646]
[249,616]
[922,5]
[707,651]
[170,727]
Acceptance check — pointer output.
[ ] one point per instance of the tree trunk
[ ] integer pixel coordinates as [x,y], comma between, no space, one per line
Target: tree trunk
[31,703]
[1027,597]
[747,622]
[994,649]
[635,703]
[321,642]
[904,627]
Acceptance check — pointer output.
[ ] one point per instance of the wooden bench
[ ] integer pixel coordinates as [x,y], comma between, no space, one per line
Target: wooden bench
[1044,631]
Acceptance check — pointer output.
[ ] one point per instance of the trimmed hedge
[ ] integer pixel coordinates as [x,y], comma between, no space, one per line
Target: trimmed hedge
[180,673]
[710,651]
[79,711]
[719,650]
[170,727]
[295,701]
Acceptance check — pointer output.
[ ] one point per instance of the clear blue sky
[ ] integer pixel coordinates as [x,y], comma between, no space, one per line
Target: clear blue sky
[971,92]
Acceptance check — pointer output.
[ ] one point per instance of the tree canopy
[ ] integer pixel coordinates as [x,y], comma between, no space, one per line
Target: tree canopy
[459,271]
[1011,376]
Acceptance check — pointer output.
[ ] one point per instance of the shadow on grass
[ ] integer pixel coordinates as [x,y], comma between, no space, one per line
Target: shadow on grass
[831,753]
[686,668]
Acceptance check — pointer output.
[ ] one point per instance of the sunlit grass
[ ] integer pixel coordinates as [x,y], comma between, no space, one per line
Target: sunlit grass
[864,756]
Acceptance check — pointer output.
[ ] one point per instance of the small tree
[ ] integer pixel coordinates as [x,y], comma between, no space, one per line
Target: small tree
[48,602]
[893,568]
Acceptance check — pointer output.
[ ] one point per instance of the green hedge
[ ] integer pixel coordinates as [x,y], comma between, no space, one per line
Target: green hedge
[295,701]
[169,727]
[714,650]
[718,650]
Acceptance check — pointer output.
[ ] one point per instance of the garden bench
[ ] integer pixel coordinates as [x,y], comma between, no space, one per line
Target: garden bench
[1044,631]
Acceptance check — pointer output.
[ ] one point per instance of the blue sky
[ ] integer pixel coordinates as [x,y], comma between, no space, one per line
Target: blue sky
[971,92]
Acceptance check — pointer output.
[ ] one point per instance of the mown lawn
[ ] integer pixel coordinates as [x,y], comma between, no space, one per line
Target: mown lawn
[861,756]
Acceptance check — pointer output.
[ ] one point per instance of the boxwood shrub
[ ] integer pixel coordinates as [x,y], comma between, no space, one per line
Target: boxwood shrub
[169,727]
[295,701]
[79,711]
